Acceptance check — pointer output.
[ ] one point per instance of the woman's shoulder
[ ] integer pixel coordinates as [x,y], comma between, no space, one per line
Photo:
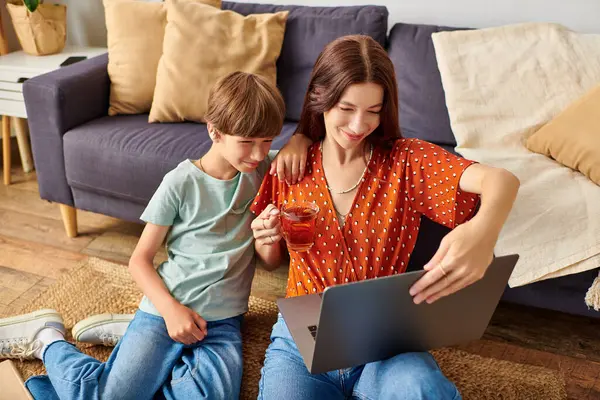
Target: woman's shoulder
[404,146]
[408,143]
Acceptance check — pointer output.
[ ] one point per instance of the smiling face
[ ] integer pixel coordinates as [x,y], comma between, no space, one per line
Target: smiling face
[356,115]
[244,154]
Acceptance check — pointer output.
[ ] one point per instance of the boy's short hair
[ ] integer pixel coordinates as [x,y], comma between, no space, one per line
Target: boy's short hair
[247,105]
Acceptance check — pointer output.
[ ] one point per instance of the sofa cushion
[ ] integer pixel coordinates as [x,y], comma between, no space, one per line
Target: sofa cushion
[308,30]
[573,137]
[135,31]
[203,44]
[126,157]
[422,105]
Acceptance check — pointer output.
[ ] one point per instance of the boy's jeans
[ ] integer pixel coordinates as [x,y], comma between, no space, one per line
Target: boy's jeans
[406,376]
[147,362]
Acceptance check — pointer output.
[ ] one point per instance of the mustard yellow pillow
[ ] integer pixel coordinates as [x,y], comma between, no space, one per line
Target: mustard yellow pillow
[135,31]
[573,137]
[201,45]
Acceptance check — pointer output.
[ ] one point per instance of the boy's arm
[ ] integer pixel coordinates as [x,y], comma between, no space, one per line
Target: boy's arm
[142,268]
[183,324]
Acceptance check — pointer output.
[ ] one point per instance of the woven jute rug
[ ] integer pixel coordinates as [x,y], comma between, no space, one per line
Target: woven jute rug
[97,286]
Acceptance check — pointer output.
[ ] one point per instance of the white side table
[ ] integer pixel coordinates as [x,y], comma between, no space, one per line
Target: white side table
[15,68]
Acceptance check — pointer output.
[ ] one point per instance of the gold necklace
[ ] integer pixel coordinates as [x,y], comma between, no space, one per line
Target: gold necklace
[359,179]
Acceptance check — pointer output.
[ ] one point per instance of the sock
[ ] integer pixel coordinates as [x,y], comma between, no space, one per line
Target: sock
[46,336]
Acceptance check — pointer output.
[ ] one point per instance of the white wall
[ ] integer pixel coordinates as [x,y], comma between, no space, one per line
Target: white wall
[85,22]
[86,17]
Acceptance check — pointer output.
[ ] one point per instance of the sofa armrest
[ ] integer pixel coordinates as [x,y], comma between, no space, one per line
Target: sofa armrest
[57,102]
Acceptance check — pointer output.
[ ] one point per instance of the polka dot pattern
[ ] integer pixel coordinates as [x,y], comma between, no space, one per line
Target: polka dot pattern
[412,179]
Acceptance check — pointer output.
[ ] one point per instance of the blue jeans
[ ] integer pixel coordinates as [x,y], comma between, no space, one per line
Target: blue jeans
[406,376]
[147,364]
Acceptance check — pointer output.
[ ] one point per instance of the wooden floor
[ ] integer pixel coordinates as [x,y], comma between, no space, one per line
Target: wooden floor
[34,252]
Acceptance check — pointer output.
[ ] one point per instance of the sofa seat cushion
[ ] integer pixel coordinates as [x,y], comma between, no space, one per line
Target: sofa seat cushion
[126,157]
[308,30]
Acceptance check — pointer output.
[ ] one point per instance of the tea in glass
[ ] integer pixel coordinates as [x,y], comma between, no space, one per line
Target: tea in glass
[298,225]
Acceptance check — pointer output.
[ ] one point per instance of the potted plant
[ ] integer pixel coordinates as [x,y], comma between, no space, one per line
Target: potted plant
[41,28]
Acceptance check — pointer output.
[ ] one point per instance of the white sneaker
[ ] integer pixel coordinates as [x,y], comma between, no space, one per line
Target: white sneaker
[18,334]
[104,329]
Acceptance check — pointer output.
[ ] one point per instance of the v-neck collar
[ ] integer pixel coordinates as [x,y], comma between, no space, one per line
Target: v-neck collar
[320,176]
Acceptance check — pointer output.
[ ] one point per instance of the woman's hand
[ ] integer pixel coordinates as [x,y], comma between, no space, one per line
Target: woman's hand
[184,324]
[267,227]
[467,251]
[462,259]
[290,163]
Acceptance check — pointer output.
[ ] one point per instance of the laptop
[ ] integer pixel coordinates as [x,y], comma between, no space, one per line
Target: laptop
[371,320]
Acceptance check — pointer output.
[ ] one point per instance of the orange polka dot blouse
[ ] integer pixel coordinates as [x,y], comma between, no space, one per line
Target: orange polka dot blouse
[413,178]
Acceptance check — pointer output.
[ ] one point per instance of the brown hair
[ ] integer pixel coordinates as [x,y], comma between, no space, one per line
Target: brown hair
[345,61]
[247,105]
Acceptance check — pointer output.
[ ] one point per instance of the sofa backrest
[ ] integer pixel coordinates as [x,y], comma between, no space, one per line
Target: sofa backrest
[422,104]
[308,30]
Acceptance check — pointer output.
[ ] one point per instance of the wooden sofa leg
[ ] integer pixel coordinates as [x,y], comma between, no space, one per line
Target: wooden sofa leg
[6,148]
[69,217]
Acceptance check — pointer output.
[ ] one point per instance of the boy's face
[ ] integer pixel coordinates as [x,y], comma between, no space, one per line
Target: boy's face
[244,154]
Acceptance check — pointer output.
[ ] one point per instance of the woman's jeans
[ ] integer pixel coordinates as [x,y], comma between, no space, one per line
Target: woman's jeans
[410,376]
[147,364]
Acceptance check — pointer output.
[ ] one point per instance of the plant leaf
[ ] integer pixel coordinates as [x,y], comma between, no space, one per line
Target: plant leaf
[31,5]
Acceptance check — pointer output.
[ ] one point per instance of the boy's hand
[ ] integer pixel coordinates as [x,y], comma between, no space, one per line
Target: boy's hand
[267,227]
[185,325]
[291,160]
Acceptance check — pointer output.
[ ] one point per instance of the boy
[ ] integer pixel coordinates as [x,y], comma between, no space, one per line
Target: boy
[185,339]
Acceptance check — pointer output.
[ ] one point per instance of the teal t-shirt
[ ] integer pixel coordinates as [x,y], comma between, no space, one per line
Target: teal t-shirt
[210,246]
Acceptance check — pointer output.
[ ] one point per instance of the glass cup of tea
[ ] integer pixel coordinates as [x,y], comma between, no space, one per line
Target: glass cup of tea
[298,225]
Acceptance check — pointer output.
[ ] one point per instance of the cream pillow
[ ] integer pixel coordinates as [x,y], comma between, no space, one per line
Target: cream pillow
[201,45]
[573,137]
[135,31]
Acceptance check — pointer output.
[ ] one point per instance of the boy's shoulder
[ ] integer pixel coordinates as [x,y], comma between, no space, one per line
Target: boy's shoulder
[182,171]
[181,175]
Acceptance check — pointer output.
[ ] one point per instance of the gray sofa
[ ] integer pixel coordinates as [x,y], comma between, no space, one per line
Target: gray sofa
[111,165]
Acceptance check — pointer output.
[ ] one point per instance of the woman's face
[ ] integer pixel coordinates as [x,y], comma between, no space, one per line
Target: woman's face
[356,115]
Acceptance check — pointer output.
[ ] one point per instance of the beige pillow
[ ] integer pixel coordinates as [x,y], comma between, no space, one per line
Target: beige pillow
[135,31]
[201,45]
[573,137]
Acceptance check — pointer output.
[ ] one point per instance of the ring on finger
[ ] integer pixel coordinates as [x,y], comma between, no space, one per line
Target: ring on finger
[264,225]
[442,269]
[272,241]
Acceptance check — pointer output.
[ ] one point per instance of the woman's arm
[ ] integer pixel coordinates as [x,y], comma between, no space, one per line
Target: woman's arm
[267,232]
[290,163]
[270,255]
[498,189]
[466,252]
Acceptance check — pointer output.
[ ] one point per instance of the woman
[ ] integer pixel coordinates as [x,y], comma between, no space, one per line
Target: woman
[372,187]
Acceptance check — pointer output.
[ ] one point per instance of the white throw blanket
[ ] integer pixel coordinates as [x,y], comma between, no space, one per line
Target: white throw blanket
[501,85]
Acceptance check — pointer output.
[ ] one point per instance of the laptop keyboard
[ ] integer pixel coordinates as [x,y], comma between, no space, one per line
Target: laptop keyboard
[313,331]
